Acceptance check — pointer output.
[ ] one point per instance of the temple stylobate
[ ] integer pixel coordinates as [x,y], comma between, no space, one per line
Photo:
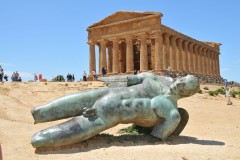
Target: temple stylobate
[129,41]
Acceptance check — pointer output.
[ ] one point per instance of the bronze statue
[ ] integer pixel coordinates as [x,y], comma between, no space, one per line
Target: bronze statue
[147,101]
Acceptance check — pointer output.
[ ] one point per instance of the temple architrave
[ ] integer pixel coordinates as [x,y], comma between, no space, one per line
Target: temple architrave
[129,41]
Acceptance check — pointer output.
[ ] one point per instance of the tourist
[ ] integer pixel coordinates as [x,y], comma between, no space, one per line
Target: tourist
[19,79]
[73,78]
[226,83]
[169,71]
[16,75]
[6,77]
[69,77]
[35,77]
[104,71]
[228,95]
[40,77]
[135,72]
[84,76]
[13,77]
[94,75]
[1,73]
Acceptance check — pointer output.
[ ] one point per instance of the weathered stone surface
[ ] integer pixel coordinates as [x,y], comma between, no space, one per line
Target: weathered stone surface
[139,41]
[148,101]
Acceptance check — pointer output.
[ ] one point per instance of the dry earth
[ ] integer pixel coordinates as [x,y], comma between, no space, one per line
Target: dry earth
[212,132]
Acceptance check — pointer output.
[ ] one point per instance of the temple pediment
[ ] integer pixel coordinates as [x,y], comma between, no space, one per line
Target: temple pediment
[123,16]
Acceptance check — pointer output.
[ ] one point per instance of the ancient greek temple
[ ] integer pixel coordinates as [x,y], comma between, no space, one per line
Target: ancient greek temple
[129,41]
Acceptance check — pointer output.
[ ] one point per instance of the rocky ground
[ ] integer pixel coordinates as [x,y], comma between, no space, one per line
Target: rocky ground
[211,133]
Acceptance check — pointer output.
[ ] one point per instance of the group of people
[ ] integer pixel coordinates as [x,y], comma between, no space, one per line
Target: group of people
[39,77]
[16,77]
[70,77]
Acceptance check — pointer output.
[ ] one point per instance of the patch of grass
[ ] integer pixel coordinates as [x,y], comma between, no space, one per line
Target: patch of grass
[234,94]
[136,130]
[221,91]
[213,93]
[206,88]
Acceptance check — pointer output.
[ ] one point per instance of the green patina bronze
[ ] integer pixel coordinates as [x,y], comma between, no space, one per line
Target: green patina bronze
[148,100]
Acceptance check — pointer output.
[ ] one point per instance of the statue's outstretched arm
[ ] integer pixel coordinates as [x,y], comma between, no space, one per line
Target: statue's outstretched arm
[165,108]
[68,106]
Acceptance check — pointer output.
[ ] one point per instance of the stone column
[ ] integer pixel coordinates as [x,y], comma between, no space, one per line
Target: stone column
[99,58]
[196,69]
[103,54]
[185,56]
[166,50]
[200,60]
[129,54]
[92,58]
[218,65]
[143,53]
[179,55]
[190,58]
[173,53]
[115,66]
[204,61]
[211,63]
[208,62]
[110,59]
[214,64]
[158,51]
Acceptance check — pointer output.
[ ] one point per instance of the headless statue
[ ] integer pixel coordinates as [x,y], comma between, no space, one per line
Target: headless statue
[147,101]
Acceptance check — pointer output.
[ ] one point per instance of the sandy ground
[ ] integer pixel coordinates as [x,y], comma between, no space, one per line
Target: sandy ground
[213,130]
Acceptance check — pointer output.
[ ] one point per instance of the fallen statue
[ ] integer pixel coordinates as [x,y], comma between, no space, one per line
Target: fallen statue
[147,101]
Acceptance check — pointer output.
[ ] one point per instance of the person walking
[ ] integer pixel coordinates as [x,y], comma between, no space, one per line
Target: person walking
[35,77]
[1,73]
[228,95]
[84,76]
[6,77]
[226,83]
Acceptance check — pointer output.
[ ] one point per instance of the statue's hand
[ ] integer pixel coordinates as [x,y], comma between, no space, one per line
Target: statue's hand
[89,112]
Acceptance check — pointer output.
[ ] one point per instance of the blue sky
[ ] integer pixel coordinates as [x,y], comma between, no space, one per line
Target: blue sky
[50,37]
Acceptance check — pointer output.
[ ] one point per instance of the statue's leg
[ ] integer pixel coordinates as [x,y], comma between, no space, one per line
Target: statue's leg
[73,131]
[99,117]
[183,122]
[67,106]
[165,109]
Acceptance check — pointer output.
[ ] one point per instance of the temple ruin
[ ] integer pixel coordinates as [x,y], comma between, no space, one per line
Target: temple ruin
[129,41]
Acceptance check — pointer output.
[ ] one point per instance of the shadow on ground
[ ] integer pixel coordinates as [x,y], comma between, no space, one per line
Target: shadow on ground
[106,140]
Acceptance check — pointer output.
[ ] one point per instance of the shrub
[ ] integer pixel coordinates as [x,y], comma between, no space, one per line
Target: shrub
[200,91]
[131,130]
[234,93]
[222,91]
[136,130]
[213,93]
[58,78]
[205,88]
